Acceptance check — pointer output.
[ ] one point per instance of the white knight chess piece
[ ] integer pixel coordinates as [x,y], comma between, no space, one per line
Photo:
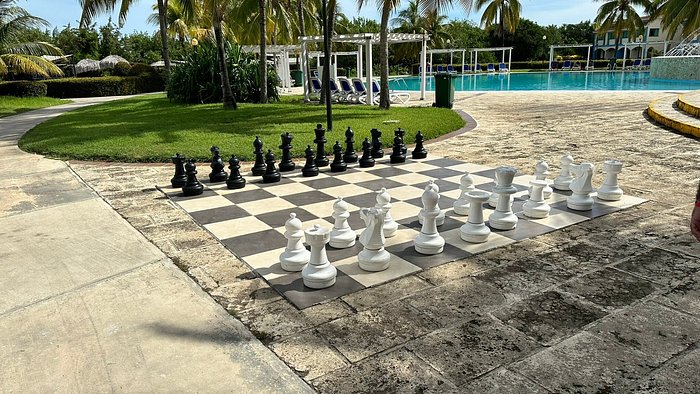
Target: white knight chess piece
[373,256]
[581,189]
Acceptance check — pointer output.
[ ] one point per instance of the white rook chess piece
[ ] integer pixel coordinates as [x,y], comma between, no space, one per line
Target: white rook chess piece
[466,184]
[295,255]
[564,179]
[503,217]
[318,273]
[441,215]
[342,236]
[610,190]
[429,241]
[474,230]
[541,172]
[580,199]
[373,256]
[535,206]
[384,203]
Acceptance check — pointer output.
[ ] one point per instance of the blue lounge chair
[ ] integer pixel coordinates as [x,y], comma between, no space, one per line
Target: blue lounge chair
[566,66]
[502,68]
[553,66]
[315,88]
[636,65]
[347,93]
[450,68]
[393,96]
[467,69]
[647,64]
[335,91]
[360,89]
[491,68]
[477,68]
[440,69]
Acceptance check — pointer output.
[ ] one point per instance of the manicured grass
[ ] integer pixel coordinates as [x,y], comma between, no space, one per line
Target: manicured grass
[10,105]
[152,129]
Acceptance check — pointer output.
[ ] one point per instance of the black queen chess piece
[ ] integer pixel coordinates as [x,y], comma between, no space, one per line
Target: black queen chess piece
[397,155]
[321,160]
[338,164]
[286,163]
[366,160]
[401,133]
[350,156]
[419,151]
[259,166]
[271,174]
[180,178]
[377,151]
[235,181]
[309,168]
[217,173]
[193,187]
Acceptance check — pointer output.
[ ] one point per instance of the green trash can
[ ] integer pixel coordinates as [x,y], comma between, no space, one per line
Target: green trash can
[298,77]
[444,90]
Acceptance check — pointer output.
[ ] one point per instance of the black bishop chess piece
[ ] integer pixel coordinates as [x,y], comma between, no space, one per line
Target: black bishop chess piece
[259,166]
[397,155]
[419,152]
[271,174]
[366,160]
[180,178]
[338,164]
[309,168]
[235,181]
[321,160]
[377,151]
[400,133]
[193,187]
[286,163]
[217,173]
[350,156]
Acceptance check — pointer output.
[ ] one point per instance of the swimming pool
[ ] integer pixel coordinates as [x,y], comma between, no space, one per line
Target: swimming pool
[579,80]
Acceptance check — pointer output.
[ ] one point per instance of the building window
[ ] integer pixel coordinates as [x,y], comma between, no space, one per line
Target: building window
[625,34]
[611,36]
[653,32]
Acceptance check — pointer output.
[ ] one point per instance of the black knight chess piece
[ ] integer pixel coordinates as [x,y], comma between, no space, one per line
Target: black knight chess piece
[193,187]
[397,155]
[271,174]
[286,164]
[309,168]
[366,160]
[321,160]
[180,178]
[377,151]
[350,156]
[338,164]
[235,181]
[217,173]
[259,166]
[400,133]
[419,152]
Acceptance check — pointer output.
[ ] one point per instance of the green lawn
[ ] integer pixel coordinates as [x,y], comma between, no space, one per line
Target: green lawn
[10,105]
[152,129]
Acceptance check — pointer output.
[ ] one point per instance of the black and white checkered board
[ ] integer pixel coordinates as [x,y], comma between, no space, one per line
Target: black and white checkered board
[250,221]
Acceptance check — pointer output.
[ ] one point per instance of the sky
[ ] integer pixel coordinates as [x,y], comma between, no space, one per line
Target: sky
[545,12]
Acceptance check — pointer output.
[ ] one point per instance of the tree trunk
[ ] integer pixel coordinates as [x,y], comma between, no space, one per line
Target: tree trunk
[384,102]
[162,15]
[229,100]
[263,51]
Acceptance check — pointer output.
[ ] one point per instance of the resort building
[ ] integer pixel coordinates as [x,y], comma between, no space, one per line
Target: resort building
[653,40]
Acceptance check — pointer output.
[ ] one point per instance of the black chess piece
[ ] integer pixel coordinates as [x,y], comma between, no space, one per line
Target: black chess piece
[310,168]
[193,187]
[259,166]
[321,160]
[350,156]
[397,155]
[366,160]
[377,151]
[419,152]
[217,173]
[286,164]
[271,174]
[235,181]
[338,164]
[180,178]
[400,133]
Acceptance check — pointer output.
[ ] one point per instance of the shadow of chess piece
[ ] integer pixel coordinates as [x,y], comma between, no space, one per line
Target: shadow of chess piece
[338,164]
[271,174]
[366,160]
[259,166]
[419,152]
[192,187]
[217,173]
[235,181]
[397,155]
[286,164]
[309,168]
[321,160]
[350,156]
[401,133]
[377,151]
[180,178]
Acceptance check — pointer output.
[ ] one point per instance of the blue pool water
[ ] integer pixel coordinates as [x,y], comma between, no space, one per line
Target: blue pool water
[580,80]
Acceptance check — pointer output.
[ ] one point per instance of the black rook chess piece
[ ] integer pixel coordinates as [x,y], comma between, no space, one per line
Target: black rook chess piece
[217,173]
[400,133]
[366,160]
[419,152]
[350,156]
[192,187]
[259,166]
[310,168]
[235,181]
[338,164]
[377,151]
[180,178]
[271,174]
[321,160]
[397,155]
[286,164]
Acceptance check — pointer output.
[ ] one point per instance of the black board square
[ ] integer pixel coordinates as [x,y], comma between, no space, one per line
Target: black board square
[441,173]
[342,254]
[407,251]
[377,184]
[323,183]
[242,196]
[489,187]
[279,218]
[253,243]
[292,288]
[219,214]
[307,198]
[444,202]
[366,200]
[524,230]
[449,224]
[259,181]
[444,185]
[181,197]
[442,162]
[354,221]
[598,209]
[388,172]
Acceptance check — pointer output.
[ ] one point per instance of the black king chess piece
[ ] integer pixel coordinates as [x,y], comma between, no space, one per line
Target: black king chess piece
[271,174]
[338,164]
[350,156]
[321,160]
[235,181]
[309,168]
[400,133]
[192,187]
[377,151]
[397,155]
[259,166]
[419,152]
[180,178]
[286,164]
[217,173]
[366,160]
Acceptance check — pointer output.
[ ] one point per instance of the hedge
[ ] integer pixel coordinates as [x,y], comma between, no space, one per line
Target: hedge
[103,86]
[23,89]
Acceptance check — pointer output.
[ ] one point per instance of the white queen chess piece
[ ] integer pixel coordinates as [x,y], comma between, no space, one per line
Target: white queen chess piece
[581,189]
[429,241]
[295,255]
[318,273]
[384,203]
[475,230]
[342,236]
[466,184]
[373,256]
[541,172]
[441,215]
[535,207]
[503,217]
[564,179]
[610,190]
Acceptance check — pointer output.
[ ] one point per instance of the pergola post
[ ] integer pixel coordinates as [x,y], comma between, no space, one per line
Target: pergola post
[423,53]
[624,57]
[334,74]
[451,58]
[510,58]
[551,56]
[305,69]
[462,61]
[503,56]
[588,57]
[431,63]
[476,59]
[368,85]
[359,60]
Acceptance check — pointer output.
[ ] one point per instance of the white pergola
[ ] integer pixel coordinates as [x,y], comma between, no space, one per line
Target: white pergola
[365,41]
[633,44]
[553,47]
[474,52]
[334,69]
[451,51]
[281,54]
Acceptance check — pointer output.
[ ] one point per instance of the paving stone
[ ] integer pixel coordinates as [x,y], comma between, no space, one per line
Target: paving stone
[471,349]
[184,241]
[237,297]
[684,243]
[609,288]
[216,261]
[169,230]
[679,376]
[274,321]
[502,381]
[308,355]
[661,266]
[456,270]
[387,292]
[511,253]
[685,296]
[522,278]
[323,313]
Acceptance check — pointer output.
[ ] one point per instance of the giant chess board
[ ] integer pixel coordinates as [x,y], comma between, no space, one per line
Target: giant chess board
[250,221]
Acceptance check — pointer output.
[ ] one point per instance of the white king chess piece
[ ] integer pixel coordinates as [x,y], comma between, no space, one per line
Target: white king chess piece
[610,190]
[541,172]
[564,179]
[503,217]
[466,184]
[318,273]
[429,241]
[535,207]
[441,215]
[295,255]
[581,189]
[373,256]
[384,203]
[342,236]
[475,230]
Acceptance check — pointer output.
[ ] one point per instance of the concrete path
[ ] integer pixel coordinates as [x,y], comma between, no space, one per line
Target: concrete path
[87,304]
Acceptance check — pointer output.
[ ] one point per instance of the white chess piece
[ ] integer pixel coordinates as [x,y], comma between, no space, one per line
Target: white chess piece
[564,179]
[535,206]
[475,230]
[581,189]
[441,215]
[318,273]
[610,190]
[373,256]
[541,172]
[503,217]
[466,184]
[493,198]
[342,236]
[384,203]
[429,241]
[295,255]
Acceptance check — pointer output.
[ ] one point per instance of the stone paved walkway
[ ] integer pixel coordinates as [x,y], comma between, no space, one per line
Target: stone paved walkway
[609,305]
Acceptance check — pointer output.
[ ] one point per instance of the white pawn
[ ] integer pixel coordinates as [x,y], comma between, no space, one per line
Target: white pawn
[295,255]
[541,172]
[318,273]
[475,230]
[610,190]
[564,179]
[342,236]
[503,217]
[581,189]
[373,256]
[441,215]
[466,184]
[429,241]
[384,203]
[535,206]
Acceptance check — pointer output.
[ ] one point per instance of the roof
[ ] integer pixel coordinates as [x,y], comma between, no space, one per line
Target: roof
[362,38]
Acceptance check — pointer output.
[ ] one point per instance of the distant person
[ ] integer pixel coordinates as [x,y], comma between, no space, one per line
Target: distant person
[695,217]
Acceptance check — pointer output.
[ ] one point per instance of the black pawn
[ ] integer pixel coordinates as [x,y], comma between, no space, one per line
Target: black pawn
[338,164]
[310,168]
[259,166]
[366,160]
[217,173]
[180,178]
[235,181]
[271,174]
[400,133]
[419,152]
[377,151]
[350,156]
[321,160]
[192,187]
[286,164]
[397,155]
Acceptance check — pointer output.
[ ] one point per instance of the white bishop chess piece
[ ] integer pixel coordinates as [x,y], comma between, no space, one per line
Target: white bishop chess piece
[541,172]
[318,273]
[295,255]
[581,189]
[564,179]
[384,203]
[466,184]
[535,207]
[475,230]
[342,236]
[429,241]
[373,256]
[610,190]
[441,215]
[503,217]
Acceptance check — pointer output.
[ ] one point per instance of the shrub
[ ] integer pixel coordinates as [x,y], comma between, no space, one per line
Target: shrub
[141,70]
[23,89]
[121,69]
[102,86]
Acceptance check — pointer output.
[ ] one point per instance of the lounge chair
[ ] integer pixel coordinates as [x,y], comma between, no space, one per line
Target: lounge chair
[394,97]
[490,68]
[590,66]
[636,65]
[553,66]
[477,68]
[347,93]
[467,69]
[315,89]
[576,67]
[336,93]
[647,64]
[450,68]
[440,69]
[360,90]
[566,66]
[502,68]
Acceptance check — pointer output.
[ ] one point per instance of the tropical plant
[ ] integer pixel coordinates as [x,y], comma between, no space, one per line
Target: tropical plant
[620,15]
[503,15]
[182,24]
[677,13]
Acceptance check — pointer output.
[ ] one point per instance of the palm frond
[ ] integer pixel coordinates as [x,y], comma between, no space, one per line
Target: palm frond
[30,65]
[34,48]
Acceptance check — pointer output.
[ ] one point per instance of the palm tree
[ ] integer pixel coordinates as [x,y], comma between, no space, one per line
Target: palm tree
[409,20]
[23,57]
[620,15]
[503,14]
[180,25]
[677,13]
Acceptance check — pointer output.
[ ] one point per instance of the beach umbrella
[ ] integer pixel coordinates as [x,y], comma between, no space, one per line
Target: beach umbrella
[110,61]
[87,65]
